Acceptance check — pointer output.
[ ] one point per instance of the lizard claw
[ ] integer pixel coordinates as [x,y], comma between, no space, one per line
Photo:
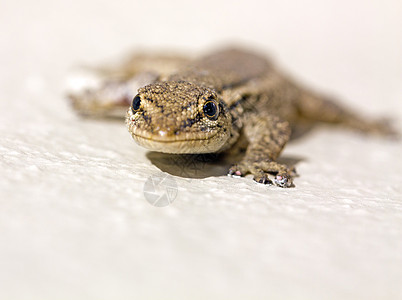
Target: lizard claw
[235,171]
[283,180]
[261,171]
[263,178]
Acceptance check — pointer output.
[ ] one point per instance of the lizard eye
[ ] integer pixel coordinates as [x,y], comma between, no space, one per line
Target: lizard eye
[135,107]
[211,110]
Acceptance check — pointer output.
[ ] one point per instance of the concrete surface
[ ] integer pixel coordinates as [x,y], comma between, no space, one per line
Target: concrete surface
[74,221]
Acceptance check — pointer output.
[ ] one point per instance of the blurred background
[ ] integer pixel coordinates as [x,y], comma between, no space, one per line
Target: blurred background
[73,220]
[327,43]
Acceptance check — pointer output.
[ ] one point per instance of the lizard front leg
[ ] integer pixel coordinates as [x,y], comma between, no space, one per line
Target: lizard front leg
[267,135]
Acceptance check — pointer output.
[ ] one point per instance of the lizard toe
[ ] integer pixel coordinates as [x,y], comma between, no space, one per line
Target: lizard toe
[283,180]
[262,178]
[237,171]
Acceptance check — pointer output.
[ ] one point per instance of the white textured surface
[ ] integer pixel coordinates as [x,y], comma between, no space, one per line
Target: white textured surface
[74,223]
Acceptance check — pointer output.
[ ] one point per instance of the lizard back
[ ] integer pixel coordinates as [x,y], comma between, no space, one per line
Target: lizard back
[224,69]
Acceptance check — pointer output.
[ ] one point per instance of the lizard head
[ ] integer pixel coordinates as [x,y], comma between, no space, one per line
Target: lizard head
[179,117]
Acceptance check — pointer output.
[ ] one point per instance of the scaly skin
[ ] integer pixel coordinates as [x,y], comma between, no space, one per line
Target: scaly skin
[207,104]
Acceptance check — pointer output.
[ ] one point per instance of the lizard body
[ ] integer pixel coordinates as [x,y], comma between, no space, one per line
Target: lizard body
[205,105]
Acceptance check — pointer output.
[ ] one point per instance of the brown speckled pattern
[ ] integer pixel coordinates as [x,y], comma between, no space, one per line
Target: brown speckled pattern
[262,102]
[171,119]
[253,98]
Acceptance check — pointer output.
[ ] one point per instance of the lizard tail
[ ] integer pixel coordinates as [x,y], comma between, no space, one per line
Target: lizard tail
[323,109]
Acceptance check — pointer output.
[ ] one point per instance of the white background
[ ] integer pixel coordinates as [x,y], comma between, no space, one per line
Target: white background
[74,223]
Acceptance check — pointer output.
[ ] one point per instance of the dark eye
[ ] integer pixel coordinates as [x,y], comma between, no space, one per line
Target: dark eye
[211,110]
[136,104]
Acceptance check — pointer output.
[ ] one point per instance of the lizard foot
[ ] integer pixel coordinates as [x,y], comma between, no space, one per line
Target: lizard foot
[261,171]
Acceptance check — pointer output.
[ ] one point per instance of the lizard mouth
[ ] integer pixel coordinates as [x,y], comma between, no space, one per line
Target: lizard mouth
[178,144]
[162,138]
[184,142]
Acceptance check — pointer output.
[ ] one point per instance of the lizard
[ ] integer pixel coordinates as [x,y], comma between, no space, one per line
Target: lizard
[229,98]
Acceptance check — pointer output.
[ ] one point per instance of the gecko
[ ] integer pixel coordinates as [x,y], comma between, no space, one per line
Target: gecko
[231,98]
